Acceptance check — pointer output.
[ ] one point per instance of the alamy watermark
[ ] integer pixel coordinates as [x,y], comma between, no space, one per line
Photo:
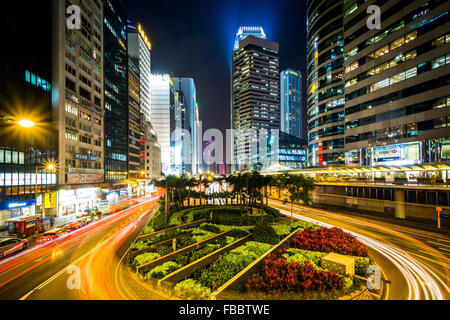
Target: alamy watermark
[374,20]
[74,280]
[74,18]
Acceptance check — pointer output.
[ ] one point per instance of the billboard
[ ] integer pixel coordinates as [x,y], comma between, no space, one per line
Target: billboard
[397,154]
[84,178]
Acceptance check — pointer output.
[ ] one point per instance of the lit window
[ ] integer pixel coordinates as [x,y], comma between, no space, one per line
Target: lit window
[397,43]
[382,51]
[411,73]
[397,78]
[439,62]
[411,36]
[411,54]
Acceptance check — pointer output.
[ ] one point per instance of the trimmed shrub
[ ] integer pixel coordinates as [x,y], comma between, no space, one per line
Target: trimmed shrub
[361,266]
[280,275]
[266,234]
[161,271]
[191,289]
[329,240]
[144,258]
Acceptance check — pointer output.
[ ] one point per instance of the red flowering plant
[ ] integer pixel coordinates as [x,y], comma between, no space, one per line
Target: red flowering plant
[329,240]
[280,275]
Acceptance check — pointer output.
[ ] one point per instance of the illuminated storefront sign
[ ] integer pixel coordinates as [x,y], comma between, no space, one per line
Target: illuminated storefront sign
[50,200]
[87,157]
[84,178]
[397,154]
[16,204]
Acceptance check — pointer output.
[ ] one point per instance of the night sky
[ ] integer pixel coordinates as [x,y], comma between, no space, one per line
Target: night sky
[195,39]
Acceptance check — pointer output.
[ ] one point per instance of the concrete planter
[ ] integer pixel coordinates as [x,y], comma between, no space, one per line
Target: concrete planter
[255,266]
[172,279]
[168,257]
[176,228]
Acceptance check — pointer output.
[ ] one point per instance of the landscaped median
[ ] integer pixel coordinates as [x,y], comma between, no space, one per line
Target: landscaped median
[232,252]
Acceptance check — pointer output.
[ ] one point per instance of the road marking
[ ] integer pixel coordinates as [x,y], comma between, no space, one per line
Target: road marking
[55,276]
[43,284]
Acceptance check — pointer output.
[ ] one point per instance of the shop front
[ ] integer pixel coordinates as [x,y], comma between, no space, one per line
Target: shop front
[78,202]
[16,209]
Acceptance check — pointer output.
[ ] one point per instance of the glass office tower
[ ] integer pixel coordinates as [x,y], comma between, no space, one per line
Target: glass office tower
[325,87]
[116,90]
[26,93]
[188,103]
[291,102]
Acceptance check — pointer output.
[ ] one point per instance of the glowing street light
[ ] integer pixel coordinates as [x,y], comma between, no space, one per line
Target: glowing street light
[25,123]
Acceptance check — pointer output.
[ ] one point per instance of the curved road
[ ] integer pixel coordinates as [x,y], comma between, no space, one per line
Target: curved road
[89,263]
[416,262]
[83,264]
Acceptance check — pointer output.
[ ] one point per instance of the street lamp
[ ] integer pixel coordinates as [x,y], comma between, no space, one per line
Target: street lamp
[26,123]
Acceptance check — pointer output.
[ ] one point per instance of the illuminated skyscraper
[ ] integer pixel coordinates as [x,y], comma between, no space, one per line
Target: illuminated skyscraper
[189,121]
[116,90]
[255,101]
[166,118]
[139,47]
[244,32]
[291,102]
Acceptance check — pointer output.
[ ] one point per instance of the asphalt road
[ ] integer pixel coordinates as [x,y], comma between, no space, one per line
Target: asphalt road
[84,264]
[416,262]
[89,263]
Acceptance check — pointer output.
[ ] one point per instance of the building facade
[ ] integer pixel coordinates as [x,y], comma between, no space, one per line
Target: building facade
[26,93]
[166,118]
[291,102]
[134,114]
[189,123]
[325,86]
[292,151]
[139,47]
[78,105]
[397,83]
[255,99]
[151,152]
[116,126]
[246,31]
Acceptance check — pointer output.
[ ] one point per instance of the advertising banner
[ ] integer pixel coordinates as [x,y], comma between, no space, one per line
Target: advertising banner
[84,178]
[50,200]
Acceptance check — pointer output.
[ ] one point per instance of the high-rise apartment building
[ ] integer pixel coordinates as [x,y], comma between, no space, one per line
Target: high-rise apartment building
[151,152]
[116,90]
[291,102]
[78,114]
[255,101]
[189,122]
[394,80]
[25,94]
[325,87]
[166,118]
